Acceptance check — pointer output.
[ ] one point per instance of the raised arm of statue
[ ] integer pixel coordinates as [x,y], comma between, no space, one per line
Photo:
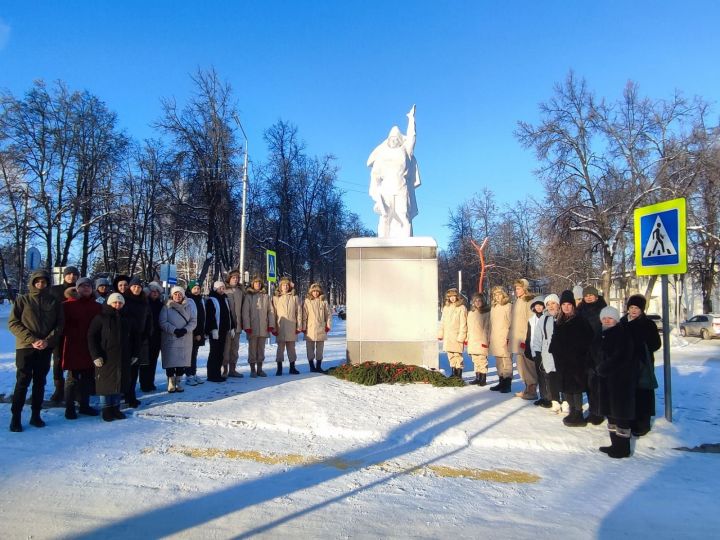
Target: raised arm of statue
[410,137]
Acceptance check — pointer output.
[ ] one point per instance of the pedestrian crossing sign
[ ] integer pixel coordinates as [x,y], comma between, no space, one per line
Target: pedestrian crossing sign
[661,238]
[271,258]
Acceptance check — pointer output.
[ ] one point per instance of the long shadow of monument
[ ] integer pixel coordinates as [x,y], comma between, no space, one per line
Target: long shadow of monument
[180,516]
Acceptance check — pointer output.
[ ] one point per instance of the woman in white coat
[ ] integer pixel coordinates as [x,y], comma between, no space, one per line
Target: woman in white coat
[178,319]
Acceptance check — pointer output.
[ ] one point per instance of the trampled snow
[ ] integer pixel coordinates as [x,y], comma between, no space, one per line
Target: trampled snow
[311,456]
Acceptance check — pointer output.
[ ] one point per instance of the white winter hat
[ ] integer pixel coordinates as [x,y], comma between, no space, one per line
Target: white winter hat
[611,312]
[177,289]
[218,284]
[577,292]
[116,297]
[155,286]
[552,298]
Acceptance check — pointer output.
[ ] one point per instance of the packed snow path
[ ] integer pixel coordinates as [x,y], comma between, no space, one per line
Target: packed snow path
[311,456]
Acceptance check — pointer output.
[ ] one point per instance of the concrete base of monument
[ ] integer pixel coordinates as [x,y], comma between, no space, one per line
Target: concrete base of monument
[392,300]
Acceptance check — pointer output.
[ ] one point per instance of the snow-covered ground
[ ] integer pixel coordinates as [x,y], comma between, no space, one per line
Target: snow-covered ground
[310,456]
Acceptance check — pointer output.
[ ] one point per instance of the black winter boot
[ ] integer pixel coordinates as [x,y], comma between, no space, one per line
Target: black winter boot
[293,371]
[107,414]
[278,371]
[606,449]
[575,419]
[260,372]
[59,393]
[498,387]
[312,366]
[318,367]
[35,420]
[87,410]
[476,380]
[482,381]
[70,412]
[507,385]
[15,425]
[117,413]
[621,445]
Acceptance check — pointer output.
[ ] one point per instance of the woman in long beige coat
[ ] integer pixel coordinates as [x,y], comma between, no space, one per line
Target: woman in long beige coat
[478,338]
[499,334]
[518,333]
[316,323]
[288,321]
[453,330]
[178,318]
[258,321]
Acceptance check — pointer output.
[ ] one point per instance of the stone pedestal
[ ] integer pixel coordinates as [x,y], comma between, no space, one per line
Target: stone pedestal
[392,300]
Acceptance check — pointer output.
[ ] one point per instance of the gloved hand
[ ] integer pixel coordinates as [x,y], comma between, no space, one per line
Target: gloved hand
[270,329]
[214,334]
[231,333]
[180,332]
[98,362]
[133,360]
[327,329]
[274,333]
[304,330]
[297,332]
[465,343]
[248,331]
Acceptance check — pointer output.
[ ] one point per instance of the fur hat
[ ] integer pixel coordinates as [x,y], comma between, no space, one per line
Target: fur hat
[118,279]
[590,290]
[286,280]
[577,292]
[218,284]
[83,281]
[102,282]
[522,282]
[155,286]
[177,289]
[504,299]
[71,292]
[552,298]
[537,300]
[451,292]
[315,287]
[232,273]
[637,300]
[71,270]
[116,297]
[611,312]
[567,297]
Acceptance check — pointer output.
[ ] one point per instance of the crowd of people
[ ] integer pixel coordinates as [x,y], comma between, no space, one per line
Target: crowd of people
[565,347]
[103,338]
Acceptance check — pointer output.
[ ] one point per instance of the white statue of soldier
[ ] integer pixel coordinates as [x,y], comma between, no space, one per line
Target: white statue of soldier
[393,179]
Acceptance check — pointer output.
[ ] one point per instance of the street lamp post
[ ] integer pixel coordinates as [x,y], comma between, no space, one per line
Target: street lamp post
[243,218]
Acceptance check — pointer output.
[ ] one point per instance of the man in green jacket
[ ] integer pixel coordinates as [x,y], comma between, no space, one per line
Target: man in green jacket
[36,320]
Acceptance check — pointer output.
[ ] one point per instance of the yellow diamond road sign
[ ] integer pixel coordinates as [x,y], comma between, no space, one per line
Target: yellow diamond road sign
[661,238]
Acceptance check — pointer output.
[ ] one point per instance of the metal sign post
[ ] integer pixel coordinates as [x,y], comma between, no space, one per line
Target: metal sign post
[661,249]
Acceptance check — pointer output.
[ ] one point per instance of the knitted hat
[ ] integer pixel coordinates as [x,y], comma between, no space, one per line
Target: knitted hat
[83,281]
[552,298]
[116,297]
[218,284]
[71,270]
[609,311]
[637,300]
[177,289]
[537,300]
[101,282]
[135,281]
[191,284]
[590,290]
[567,297]
[577,292]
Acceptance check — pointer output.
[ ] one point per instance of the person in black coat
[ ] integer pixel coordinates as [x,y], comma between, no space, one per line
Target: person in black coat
[137,312]
[569,346]
[616,375]
[646,340]
[70,277]
[589,308]
[218,322]
[147,371]
[112,344]
[194,292]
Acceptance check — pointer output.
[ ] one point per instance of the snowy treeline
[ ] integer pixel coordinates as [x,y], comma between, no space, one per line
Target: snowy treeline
[598,160]
[88,194]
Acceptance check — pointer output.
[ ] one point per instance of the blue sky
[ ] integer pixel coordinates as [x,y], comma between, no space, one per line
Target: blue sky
[345,71]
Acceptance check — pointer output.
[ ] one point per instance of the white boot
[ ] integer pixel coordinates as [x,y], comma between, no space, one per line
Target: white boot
[171,385]
[565,407]
[178,388]
[555,407]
